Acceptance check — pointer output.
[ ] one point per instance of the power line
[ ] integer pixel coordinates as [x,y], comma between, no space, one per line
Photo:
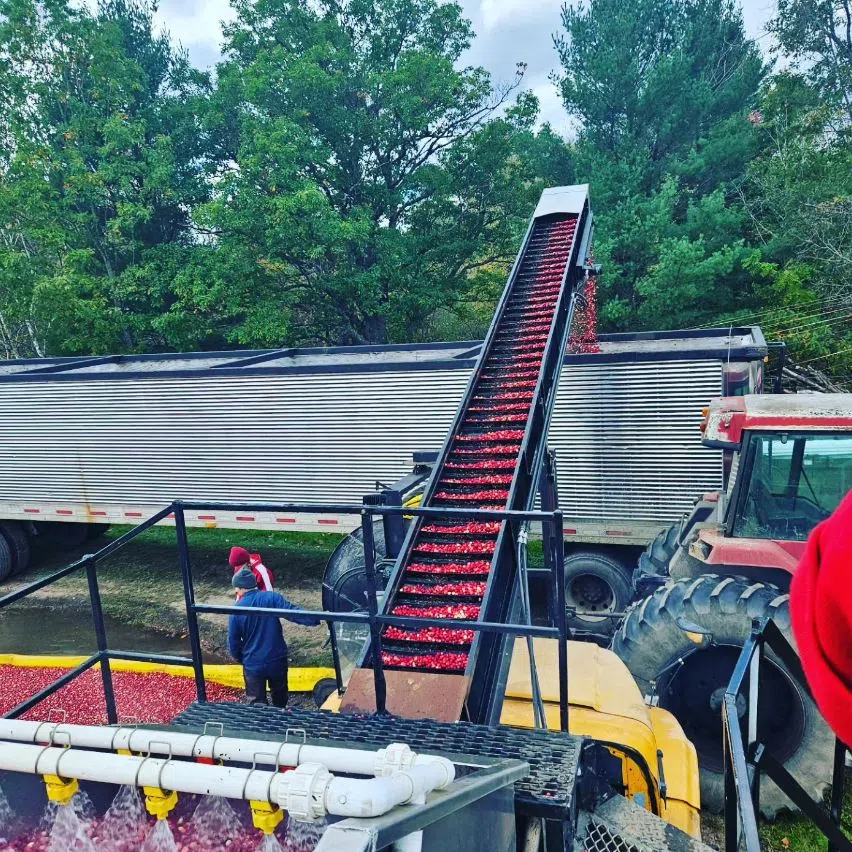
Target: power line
[823,323]
[780,323]
[830,355]
[784,309]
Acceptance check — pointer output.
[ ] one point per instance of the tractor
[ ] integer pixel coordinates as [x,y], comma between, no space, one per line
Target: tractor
[730,561]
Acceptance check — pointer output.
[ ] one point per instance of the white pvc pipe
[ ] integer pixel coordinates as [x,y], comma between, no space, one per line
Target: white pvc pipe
[308,792]
[209,746]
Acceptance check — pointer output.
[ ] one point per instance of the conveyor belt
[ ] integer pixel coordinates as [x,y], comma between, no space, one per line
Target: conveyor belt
[462,569]
[450,562]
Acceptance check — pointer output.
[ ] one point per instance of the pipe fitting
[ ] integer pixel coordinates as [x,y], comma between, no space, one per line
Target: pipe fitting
[265,816]
[60,790]
[160,803]
[301,792]
[394,758]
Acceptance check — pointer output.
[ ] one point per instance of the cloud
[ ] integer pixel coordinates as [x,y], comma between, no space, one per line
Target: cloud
[508,32]
[197,26]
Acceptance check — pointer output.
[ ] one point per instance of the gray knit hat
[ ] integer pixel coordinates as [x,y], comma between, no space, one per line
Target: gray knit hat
[244,579]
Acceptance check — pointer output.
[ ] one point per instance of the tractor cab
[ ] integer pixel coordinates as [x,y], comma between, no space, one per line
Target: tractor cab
[791,467]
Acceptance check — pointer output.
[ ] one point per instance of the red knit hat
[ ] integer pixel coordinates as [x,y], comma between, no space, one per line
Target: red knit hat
[821,611]
[239,556]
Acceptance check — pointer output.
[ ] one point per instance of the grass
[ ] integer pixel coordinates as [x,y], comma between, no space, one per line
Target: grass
[796,834]
[141,583]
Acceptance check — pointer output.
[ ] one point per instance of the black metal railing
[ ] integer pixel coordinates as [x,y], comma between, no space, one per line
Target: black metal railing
[372,618]
[747,760]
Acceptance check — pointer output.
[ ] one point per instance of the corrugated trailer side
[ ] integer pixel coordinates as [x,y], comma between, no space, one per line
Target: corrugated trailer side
[111,440]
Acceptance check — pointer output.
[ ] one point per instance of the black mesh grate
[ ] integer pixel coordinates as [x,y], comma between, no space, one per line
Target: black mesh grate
[600,839]
[553,757]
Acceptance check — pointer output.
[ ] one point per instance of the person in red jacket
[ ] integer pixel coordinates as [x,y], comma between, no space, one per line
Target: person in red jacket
[821,612]
[240,558]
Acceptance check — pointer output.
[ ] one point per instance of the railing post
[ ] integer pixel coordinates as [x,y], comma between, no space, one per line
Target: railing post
[753,711]
[372,611]
[189,600]
[731,809]
[561,618]
[838,783]
[101,639]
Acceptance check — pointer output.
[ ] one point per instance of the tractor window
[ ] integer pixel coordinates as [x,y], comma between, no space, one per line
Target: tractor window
[796,481]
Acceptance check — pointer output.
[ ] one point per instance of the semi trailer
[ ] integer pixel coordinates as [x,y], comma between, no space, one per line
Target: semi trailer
[86,442]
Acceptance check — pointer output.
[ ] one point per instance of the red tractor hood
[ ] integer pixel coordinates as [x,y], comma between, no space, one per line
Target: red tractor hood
[752,552]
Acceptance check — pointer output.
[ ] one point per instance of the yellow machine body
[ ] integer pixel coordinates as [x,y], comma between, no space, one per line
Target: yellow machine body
[605,705]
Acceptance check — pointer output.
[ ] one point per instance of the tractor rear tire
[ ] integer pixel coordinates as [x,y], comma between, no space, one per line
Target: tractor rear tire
[19,544]
[6,560]
[595,582]
[650,642]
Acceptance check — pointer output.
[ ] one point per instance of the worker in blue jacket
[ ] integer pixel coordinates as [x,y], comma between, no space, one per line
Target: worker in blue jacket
[257,641]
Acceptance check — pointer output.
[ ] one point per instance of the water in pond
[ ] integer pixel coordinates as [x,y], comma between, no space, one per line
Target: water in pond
[22,631]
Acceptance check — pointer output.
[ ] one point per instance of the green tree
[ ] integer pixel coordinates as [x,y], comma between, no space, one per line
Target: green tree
[367,183]
[661,91]
[102,161]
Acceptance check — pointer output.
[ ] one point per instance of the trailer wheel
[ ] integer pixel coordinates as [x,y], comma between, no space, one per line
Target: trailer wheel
[344,583]
[19,544]
[96,531]
[6,561]
[651,643]
[595,584]
[64,536]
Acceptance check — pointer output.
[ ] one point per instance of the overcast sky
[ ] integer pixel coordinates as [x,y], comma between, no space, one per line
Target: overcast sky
[507,32]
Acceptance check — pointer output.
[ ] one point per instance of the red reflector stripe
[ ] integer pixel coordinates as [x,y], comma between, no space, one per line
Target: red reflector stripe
[206,517]
[98,513]
[33,511]
[64,512]
[326,521]
[286,520]
[618,532]
[244,518]
[569,532]
[132,514]
[207,761]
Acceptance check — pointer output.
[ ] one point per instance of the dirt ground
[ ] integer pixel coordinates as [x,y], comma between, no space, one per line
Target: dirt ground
[141,584]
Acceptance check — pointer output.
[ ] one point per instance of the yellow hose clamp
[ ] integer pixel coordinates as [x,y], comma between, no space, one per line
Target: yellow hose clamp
[60,790]
[266,816]
[160,803]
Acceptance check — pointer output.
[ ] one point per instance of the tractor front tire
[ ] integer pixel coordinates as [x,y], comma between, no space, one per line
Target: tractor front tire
[657,555]
[651,643]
